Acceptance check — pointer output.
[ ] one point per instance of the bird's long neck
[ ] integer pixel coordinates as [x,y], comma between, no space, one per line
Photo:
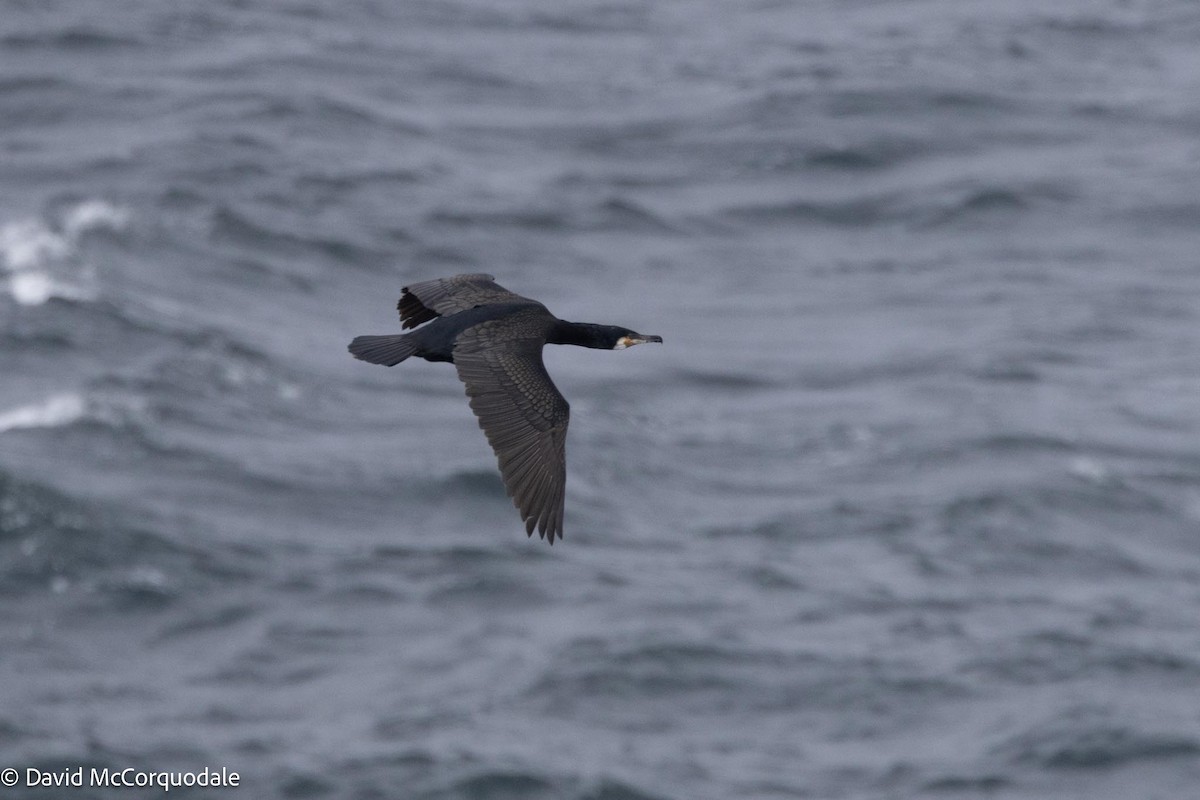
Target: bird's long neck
[583,334]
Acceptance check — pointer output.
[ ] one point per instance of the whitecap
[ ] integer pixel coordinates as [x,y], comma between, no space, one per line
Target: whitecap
[31,288]
[43,260]
[94,215]
[29,243]
[54,412]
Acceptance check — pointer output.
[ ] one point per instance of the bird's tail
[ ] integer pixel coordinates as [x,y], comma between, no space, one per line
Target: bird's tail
[387,350]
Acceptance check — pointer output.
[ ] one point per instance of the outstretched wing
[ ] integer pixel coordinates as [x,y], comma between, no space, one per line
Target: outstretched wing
[421,302]
[522,413]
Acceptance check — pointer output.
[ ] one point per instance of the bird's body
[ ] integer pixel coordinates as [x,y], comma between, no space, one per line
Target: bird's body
[495,338]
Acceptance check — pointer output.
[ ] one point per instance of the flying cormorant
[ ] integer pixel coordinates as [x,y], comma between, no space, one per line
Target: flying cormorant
[494,338]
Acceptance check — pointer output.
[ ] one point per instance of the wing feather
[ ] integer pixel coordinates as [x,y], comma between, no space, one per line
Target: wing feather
[424,301]
[522,413]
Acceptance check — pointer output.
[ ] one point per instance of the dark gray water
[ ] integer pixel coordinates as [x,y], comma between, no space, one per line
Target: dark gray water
[907,506]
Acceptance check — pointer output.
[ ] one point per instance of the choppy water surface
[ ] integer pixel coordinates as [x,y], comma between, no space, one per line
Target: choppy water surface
[907,505]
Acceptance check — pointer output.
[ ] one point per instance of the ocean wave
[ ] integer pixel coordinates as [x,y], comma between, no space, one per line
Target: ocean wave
[490,589]
[93,215]
[38,85]
[917,206]
[41,259]
[960,203]
[51,542]
[595,19]
[590,671]
[852,212]
[471,482]
[11,732]
[1095,744]
[727,380]
[1056,656]
[508,783]
[234,227]
[873,155]
[322,178]
[65,409]
[613,213]
[501,783]
[133,429]
[207,619]
[70,39]
[918,100]
[986,785]
[216,384]
[788,528]
[54,412]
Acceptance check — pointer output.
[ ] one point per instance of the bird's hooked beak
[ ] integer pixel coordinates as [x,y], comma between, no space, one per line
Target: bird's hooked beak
[637,338]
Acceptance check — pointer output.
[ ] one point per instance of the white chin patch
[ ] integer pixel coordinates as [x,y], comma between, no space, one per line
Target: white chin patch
[622,343]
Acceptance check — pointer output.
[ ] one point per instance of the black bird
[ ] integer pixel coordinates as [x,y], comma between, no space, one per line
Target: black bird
[494,338]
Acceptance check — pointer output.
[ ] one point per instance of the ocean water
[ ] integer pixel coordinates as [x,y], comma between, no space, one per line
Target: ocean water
[906,506]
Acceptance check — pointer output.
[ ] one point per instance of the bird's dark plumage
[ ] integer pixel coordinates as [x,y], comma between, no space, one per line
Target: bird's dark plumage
[494,338]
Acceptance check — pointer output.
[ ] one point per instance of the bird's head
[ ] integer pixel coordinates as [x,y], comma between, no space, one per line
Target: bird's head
[623,337]
[599,337]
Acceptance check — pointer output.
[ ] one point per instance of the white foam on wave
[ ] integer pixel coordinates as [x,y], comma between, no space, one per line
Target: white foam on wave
[28,243]
[32,288]
[42,260]
[93,215]
[55,412]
